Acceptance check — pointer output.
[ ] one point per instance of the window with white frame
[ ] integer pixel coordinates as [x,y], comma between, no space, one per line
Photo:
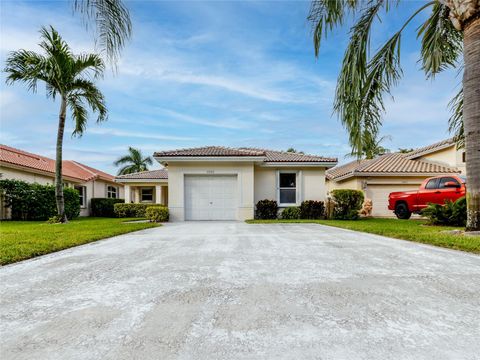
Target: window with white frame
[82,193]
[287,189]
[112,192]
[146,195]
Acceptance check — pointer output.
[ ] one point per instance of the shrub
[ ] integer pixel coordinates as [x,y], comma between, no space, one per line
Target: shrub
[37,202]
[291,213]
[311,209]
[450,214]
[266,209]
[157,213]
[130,210]
[103,207]
[347,203]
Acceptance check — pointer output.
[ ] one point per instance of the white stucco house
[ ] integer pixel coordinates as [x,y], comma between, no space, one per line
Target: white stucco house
[220,183]
[91,183]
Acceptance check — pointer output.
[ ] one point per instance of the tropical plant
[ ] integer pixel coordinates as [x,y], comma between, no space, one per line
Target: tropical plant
[133,162]
[405,150]
[450,38]
[371,147]
[67,76]
[293,150]
[111,21]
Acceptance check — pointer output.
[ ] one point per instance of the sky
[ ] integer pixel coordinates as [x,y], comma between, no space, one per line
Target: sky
[229,73]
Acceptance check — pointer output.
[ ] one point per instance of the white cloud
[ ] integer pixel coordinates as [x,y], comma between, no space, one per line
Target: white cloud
[133,134]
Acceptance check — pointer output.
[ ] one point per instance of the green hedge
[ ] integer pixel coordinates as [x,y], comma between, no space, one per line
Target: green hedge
[37,202]
[451,214]
[266,209]
[131,210]
[291,213]
[347,204]
[311,209]
[103,207]
[157,213]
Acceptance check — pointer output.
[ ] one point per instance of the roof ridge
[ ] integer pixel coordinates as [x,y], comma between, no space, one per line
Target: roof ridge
[84,167]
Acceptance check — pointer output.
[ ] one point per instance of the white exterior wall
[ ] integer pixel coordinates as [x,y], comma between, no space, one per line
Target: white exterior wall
[30,177]
[176,187]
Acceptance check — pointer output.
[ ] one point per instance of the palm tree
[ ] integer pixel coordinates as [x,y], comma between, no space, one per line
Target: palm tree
[67,76]
[111,20]
[450,37]
[293,150]
[371,147]
[133,162]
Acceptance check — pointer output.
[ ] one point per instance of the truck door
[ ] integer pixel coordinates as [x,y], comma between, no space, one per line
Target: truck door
[430,194]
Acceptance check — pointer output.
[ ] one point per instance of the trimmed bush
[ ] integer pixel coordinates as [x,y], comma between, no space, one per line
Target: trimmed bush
[311,209]
[450,214]
[131,210]
[347,204]
[291,213]
[157,213]
[266,209]
[103,207]
[37,202]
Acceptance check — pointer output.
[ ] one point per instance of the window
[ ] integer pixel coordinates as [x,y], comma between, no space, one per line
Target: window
[82,192]
[445,180]
[112,192]
[146,195]
[287,188]
[432,184]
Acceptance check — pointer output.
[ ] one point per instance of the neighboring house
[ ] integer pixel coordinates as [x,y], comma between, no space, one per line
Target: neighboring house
[396,172]
[220,183]
[21,165]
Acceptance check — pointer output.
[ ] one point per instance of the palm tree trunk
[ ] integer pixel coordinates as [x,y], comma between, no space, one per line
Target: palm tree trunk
[471,120]
[58,163]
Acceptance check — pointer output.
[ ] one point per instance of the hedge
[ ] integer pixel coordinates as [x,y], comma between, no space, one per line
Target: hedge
[157,213]
[37,202]
[347,204]
[311,209]
[131,210]
[266,209]
[291,213]
[103,207]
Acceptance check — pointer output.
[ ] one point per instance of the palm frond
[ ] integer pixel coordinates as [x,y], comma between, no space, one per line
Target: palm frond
[113,26]
[455,123]
[79,115]
[87,90]
[123,160]
[27,67]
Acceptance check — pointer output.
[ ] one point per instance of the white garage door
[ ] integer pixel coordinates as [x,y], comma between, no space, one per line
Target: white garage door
[212,197]
[379,195]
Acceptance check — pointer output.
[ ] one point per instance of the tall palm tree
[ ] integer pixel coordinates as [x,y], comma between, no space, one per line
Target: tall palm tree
[133,162]
[111,21]
[450,38]
[67,76]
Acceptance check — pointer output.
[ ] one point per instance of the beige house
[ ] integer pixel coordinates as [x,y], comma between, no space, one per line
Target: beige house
[378,177]
[219,183]
[90,183]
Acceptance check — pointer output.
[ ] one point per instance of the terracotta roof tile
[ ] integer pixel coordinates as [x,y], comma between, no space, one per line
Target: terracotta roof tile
[71,169]
[394,163]
[430,148]
[147,175]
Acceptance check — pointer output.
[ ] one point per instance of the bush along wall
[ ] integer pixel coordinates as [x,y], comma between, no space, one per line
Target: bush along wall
[266,209]
[450,214]
[311,209]
[37,202]
[103,207]
[158,213]
[291,213]
[131,210]
[347,204]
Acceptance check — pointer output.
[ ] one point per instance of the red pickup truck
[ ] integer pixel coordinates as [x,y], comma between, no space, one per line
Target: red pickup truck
[433,190]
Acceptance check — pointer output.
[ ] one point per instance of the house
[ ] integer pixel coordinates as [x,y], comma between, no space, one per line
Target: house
[221,183]
[21,165]
[378,177]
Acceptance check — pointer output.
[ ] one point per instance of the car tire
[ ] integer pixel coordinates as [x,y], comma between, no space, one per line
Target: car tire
[402,212]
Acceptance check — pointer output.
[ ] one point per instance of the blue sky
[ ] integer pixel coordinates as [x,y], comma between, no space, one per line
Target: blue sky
[215,73]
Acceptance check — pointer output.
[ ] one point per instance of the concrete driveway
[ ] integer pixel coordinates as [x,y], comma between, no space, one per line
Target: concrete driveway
[238,291]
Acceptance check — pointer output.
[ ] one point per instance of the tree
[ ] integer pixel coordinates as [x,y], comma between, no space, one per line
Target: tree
[133,162]
[67,76]
[371,147]
[292,150]
[450,35]
[405,150]
[111,19]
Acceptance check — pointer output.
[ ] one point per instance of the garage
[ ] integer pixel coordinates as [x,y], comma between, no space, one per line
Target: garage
[211,197]
[378,193]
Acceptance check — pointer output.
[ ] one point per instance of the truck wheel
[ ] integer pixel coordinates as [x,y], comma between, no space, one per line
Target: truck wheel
[402,212]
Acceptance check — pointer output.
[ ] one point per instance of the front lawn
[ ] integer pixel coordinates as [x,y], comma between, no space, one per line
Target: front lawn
[20,240]
[413,230]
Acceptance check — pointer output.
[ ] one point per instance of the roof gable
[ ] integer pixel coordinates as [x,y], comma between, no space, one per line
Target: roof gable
[425,150]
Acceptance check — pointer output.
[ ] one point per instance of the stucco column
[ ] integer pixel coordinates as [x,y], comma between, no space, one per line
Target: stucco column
[127,194]
[158,194]
[137,195]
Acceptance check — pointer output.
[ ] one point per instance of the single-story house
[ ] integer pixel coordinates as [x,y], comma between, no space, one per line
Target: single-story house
[221,183]
[396,172]
[91,183]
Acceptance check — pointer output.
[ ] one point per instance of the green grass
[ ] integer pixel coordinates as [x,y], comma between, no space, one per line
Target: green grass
[20,240]
[412,230]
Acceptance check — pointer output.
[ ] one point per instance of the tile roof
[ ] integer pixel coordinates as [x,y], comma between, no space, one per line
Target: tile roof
[71,169]
[394,164]
[147,175]
[430,148]
[268,155]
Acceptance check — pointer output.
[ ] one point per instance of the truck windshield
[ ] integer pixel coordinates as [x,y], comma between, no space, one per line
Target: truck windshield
[463,178]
